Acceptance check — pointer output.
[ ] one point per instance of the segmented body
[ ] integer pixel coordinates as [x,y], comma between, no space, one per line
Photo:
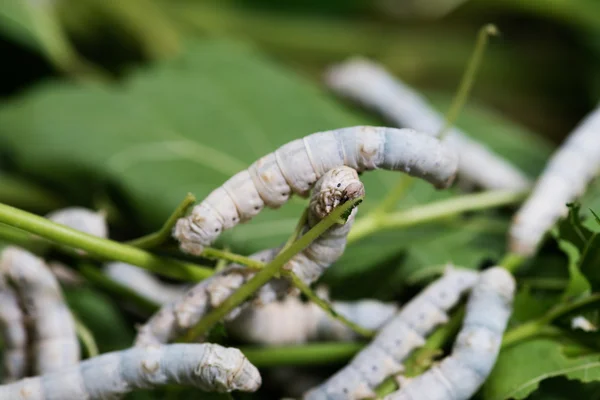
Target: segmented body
[371,85]
[564,179]
[396,340]
[297,166]
[14,334]
[459,376]
[172,320]
[209,367]
[293,321]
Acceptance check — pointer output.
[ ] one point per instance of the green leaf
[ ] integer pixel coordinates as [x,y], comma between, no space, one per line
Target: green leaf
[186,126]
[578,284]
[521,367]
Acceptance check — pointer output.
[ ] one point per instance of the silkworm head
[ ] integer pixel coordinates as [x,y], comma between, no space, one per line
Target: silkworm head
[353,191]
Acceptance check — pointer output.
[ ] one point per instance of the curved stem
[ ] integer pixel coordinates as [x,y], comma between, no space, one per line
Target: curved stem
[213,253]
[310,354]
[434,212]
[154,239]
[268,272]
[86,337]
[99,247]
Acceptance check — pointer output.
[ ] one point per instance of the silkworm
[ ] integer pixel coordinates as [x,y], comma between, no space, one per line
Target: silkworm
[297,166]
[209,367]
[84,220]
[459,376]
[397,339]
[14,334]
[143,282]
[52,328]
[374,87]
[293,321]
[565,178]
[175,318]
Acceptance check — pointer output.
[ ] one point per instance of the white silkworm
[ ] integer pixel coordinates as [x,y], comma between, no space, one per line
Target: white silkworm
[293,321]
[53,339]
[209,367]
[336,186]
[82,219]
[296,166]
[371,85]
[476,349]
[565,178]
[397,339]
[143,282]
[14,334]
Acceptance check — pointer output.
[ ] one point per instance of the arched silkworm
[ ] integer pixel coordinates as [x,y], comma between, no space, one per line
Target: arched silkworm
[14,334]
[293,321]
[371,85]
[52,328]
[336,186]
[143,282]
[565,178]
[397,339]
[476,349]
[209,367]
[82,219]
[296,166]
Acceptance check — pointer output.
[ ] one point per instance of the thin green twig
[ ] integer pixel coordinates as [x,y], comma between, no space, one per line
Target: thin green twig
[213,253]
[267,273]
[297,230]
[86,337]
[434,212]
[512,261]
[155,239]
[101,248]
[310,354]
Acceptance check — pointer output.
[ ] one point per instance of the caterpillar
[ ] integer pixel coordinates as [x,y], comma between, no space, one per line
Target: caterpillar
[14,334]
[476,349]
[296,166]
[396,339]
[53,339]
[143,282]
[293,321]
[209,367]
[82,219]
[337,185]
[371,85]
[564,178]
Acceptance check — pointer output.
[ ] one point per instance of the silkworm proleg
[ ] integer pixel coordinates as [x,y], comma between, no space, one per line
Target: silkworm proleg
[397,339]
[209,367]
[296,166]
[459,376]
[370,84]
[565,177]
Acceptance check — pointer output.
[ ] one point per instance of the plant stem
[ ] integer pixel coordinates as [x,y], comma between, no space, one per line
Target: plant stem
[99,247]
[297,230]
[164,233]
[512,261]
[468,78]
[367,333]
[268,272]
[213,253]
[433,212]
[310,354]
[86,337]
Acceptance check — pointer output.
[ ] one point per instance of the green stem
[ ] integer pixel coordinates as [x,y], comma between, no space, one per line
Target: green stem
[213,253]
[99,247]
[297,230]
[367,333]
[468,78]
[268,272]
[512,261]
[86,337]
[434,212]
[164,233]
[310,354]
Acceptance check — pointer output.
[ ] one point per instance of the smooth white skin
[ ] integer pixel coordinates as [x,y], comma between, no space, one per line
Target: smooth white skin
[143,282]
[175,318]
[370,84]
[53,340]
[296,166]
[396,340]
[84,220]
[14,334]
[476,349]
[209,367]
[567,174]
[292,321]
